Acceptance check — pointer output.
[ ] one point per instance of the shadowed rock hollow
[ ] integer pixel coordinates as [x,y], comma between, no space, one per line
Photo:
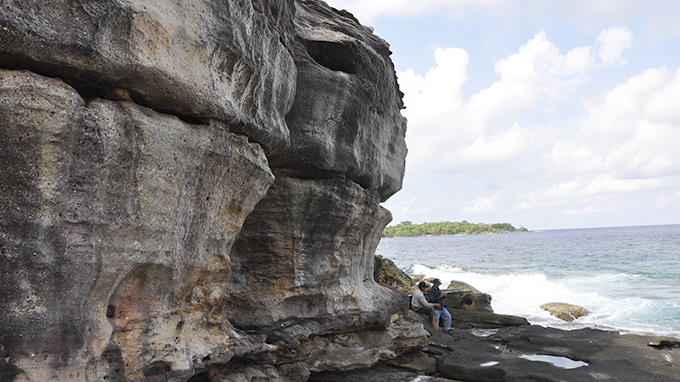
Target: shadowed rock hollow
[190,191]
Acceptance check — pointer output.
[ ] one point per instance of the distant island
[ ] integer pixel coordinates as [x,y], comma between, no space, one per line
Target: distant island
[407,228]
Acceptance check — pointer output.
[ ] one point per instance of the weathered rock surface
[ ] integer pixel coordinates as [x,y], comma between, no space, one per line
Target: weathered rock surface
[191,191]
[564,311]
[527,353]
[472,301]
[202,59]
[387,272]
[467,319]
[462,286]
[380,373]
[346,115]
[116,226]
[608,355]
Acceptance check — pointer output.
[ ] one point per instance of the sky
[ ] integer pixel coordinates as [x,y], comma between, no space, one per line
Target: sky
[540,113]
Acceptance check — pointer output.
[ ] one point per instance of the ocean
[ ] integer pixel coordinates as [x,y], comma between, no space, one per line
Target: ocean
[627,277]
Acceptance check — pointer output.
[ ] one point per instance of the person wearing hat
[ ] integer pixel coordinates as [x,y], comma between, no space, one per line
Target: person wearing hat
[436,295]
[421,305]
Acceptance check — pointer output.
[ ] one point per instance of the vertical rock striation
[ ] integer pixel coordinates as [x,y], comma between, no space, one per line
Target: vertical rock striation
[345,118]
[116,227]
[190,191]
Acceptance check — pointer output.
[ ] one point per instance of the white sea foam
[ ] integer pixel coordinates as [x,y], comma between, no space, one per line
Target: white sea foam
[522,294]
[626,276]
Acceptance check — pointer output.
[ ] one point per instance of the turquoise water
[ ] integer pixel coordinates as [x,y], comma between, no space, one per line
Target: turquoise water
[627,277]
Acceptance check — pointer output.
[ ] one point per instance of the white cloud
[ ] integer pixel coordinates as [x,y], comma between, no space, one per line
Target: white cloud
[668,200]
[627,144]
[535,131]
[482,204]
[633,130]
[611,43]
[537,69]
[587,191]
[625,148]
[662,106]
[449,133]
[420,207]
[499,147]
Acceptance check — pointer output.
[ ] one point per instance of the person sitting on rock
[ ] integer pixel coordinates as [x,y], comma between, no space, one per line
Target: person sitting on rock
[420,304]
[435,296]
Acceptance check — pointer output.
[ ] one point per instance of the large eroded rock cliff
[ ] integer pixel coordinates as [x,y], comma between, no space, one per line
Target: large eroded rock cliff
[190,191]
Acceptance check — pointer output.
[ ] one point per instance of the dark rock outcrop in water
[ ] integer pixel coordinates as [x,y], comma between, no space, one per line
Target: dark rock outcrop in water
[564,311]
[191,191]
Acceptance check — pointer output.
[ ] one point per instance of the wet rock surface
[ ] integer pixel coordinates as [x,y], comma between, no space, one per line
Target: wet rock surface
[527,353]
[564,311]
[579,355]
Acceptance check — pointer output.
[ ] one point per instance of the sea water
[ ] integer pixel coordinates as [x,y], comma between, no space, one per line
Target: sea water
[627,277]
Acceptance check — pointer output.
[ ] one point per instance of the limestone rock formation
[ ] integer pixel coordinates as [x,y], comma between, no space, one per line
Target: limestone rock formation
[116,229]
[387,272]
[345,118]
[202,59]
[191,191]
[535,353]
[462,286]
[526,353]
[564,311]
[473,301]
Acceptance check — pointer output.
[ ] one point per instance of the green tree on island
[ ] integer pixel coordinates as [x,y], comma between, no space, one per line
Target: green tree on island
[407,228]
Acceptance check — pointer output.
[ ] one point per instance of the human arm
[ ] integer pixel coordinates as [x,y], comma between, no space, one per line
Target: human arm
[419,300]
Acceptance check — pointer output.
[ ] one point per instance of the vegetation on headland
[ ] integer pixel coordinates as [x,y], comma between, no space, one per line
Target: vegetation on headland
[407,228]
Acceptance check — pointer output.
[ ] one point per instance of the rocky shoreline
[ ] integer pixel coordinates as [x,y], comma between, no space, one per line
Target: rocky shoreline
[191,192]
[491,347]
[527,353]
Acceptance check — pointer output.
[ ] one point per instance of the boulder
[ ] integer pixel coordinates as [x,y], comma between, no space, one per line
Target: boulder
[564,311]
[473,301]
[467,319]
[387,272]
[461,286]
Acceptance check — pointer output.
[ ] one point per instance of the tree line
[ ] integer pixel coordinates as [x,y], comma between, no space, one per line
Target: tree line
[407,228]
